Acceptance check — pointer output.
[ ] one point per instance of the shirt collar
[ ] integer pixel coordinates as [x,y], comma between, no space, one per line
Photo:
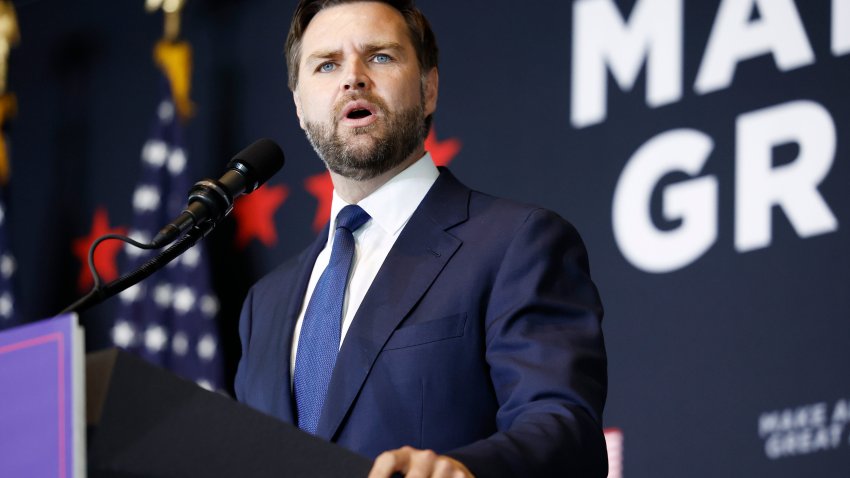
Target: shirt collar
[391,205]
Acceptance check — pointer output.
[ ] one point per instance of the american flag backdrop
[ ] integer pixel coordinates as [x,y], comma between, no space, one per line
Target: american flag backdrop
[170,317]
[7,270]
[8,314]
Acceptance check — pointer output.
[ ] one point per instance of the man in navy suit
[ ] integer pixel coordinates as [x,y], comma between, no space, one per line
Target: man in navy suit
[465,335]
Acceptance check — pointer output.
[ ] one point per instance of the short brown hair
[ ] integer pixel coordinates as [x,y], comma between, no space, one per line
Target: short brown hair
[420,31]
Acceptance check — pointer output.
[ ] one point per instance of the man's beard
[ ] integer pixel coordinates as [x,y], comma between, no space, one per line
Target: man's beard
[404,132]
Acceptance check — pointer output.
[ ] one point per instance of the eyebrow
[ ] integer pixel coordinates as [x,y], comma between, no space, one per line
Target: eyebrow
[370,48]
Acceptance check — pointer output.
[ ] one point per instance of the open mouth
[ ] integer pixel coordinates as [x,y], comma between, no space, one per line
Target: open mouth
[358,113]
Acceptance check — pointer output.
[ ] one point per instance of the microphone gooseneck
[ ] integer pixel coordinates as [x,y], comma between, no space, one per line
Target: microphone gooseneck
[209,201]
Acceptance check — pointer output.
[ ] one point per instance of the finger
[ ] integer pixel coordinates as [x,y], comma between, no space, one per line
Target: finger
[460,474]
[443,468]
[389,462]
[421,464]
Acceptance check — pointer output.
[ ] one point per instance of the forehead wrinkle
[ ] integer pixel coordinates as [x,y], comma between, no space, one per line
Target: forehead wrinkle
[377,24]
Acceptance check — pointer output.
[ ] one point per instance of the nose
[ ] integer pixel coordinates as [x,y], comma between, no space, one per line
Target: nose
[356,77]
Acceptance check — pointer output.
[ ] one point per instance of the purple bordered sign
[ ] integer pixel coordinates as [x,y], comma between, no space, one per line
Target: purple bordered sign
[42,402]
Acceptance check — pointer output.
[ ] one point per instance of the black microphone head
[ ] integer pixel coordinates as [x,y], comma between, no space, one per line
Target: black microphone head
[258,162]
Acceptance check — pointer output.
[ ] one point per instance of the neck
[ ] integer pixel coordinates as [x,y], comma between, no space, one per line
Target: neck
[353,191]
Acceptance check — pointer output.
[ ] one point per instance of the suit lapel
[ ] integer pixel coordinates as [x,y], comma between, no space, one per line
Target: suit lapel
[290,316]
[416,259]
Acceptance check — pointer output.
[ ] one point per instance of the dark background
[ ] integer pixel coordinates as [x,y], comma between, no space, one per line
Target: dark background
[696,355]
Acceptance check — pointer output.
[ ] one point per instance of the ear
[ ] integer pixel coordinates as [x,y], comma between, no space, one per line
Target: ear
[297,100]
[432,87]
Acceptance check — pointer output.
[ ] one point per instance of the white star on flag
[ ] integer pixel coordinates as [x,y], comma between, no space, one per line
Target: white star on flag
[162,295]
[7,266]
[155,338]
[165,111]
[184,299]
[206,347]
[131,294]
[180,343]
[123,334]
[191,257]
[176,162]
[146,198]
[154,153]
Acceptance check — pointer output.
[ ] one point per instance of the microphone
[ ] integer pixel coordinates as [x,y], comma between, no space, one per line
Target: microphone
[211,199]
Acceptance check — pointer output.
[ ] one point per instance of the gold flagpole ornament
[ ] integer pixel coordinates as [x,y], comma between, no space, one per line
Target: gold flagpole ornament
[174,56]
[10,36]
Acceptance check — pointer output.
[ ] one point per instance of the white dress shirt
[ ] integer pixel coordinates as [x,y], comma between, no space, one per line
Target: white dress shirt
[390,207]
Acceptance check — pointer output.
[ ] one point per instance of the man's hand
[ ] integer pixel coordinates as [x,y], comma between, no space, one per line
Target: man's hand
[415,463]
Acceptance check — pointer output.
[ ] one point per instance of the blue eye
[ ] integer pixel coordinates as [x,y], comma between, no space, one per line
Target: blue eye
[327,67]
[382,58]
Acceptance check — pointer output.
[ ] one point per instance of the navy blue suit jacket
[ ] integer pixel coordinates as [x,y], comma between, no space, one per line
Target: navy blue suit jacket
[479,338]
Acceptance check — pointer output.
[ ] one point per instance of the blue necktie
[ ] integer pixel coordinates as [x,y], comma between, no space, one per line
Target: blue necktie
[318,343]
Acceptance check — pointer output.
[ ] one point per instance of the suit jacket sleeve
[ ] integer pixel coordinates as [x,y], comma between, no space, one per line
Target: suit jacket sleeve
[547,359]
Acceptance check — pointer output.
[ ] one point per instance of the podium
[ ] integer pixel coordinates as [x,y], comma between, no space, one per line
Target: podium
[144,421]
[139,420]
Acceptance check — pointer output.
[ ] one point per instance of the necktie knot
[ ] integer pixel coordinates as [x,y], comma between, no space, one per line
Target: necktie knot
[351,217]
